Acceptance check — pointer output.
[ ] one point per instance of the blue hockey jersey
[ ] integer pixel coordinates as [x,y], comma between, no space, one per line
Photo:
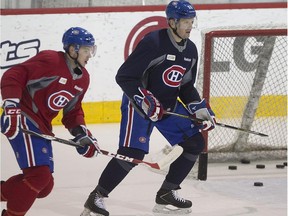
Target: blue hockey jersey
[162,66]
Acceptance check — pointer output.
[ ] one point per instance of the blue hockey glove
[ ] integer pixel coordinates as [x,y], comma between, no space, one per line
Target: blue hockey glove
[11,118]
[149,104]
[202,110]
[88,142]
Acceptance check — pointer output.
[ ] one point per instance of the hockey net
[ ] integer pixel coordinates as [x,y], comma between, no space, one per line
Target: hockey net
[243,75]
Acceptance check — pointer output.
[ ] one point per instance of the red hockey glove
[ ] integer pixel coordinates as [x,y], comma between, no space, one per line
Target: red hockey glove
[202,110]
[11,118]
[149,104]
[88,141]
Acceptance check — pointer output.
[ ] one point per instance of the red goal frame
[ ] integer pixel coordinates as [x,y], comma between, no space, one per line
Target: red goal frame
[203,159]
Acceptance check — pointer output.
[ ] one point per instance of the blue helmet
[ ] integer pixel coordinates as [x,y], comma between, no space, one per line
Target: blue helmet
[78,37]
[180,9]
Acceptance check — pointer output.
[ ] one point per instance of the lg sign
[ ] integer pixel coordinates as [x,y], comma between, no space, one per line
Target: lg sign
[243,51]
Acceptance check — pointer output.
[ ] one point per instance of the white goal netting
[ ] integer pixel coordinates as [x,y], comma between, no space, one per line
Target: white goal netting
[244,75]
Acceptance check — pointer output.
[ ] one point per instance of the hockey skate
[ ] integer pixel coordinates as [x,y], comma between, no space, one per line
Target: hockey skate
[3,212]
[94,205]
[168,202]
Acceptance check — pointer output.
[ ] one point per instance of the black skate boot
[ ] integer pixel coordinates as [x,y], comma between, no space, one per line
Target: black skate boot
[3,212]
[168,202]
[95,204]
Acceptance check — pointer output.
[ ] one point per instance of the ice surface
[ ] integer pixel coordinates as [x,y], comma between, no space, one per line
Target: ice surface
[225,193]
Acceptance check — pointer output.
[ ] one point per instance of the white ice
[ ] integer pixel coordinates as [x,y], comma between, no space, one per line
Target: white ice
[225,193]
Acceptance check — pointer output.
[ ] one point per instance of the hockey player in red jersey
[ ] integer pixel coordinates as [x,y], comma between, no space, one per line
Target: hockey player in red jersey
[33,93]
[161,69]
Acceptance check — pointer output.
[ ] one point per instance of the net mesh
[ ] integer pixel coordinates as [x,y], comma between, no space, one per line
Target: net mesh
[248,89]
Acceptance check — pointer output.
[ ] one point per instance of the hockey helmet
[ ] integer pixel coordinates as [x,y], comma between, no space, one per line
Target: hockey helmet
[180,9]
[78,37]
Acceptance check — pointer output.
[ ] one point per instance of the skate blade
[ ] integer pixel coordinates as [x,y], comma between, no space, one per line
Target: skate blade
[87,212]
[160,210]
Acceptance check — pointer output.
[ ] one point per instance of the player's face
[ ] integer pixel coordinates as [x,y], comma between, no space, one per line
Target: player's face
[85,53]
[184,27]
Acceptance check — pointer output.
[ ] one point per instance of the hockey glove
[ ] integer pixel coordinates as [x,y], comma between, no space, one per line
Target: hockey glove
[149,104]
[11,118]
[89,145]
[202,110]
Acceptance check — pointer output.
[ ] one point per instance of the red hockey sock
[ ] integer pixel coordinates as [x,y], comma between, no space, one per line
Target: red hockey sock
[22,195]
[47,190]
[10,183]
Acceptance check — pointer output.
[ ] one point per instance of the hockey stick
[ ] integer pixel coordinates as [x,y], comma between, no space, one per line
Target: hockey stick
[217,123]
[161,164]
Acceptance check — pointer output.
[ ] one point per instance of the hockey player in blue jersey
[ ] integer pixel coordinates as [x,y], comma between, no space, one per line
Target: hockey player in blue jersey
[161,70]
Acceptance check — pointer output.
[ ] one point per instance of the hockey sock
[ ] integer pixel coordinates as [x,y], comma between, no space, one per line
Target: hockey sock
[167,186]
[180,168]
[5,185]
[114,168]
[119,169]
[47,190]
[22,195]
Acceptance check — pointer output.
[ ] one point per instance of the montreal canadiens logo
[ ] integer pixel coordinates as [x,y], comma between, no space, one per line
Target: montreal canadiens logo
[173,76]
[59,100]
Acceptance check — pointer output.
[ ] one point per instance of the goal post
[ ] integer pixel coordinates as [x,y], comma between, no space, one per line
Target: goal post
[243,75]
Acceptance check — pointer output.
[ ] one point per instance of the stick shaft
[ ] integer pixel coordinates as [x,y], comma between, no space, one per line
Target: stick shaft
[175,153]
[217,123]
[52,138]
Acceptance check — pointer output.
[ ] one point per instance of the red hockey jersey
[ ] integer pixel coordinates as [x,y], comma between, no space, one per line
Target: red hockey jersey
[45,85]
